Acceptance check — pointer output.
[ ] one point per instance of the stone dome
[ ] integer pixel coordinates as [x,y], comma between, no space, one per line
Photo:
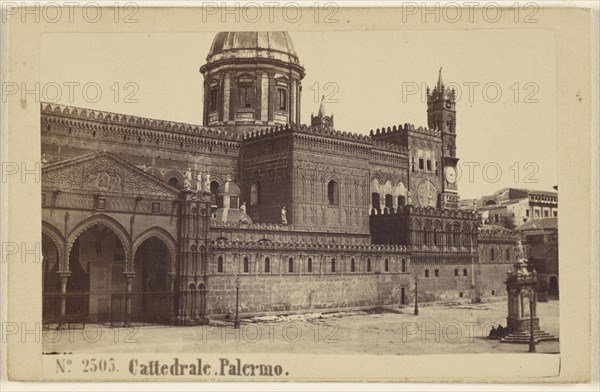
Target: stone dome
[228,188]
[253,44]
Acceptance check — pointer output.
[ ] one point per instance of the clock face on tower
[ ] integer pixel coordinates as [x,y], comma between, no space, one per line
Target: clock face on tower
[427,194]
[450,175]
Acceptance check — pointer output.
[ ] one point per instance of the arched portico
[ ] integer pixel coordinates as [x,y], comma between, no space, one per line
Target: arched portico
[152,297]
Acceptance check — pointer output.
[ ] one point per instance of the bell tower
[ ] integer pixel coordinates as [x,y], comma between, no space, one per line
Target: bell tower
[441,116]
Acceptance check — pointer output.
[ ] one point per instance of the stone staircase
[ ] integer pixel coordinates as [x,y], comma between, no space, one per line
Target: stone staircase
[523,337]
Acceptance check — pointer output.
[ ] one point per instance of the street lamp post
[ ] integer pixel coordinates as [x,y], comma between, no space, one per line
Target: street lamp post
[236,323]
[531,329]
[416,295]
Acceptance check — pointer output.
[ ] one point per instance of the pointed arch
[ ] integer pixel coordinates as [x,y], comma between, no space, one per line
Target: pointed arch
[108,222]
[164,237]
[58,240]
[174,178]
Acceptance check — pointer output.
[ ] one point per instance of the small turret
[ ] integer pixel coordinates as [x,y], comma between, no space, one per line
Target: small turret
[322,119]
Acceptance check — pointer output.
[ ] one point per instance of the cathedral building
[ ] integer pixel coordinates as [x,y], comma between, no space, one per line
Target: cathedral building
[150,220]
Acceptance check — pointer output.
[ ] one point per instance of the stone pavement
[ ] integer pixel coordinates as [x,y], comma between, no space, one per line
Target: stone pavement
[439,329]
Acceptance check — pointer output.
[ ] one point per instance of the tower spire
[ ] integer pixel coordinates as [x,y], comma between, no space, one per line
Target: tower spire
[322,112]
[322,118]
[440,81]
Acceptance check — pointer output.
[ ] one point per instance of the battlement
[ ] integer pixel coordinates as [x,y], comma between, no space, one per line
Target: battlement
[113,120]
[324,131]
[494,232]
[384,131]
[265,132]
[307,247]
[431,212]
[314,130]
[251,226]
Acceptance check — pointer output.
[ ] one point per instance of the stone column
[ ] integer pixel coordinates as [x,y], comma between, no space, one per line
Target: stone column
[226,98]
[171,288]
[264,97]
[128,281]
[64,278]
[522,307]
[272,92]
[293,99]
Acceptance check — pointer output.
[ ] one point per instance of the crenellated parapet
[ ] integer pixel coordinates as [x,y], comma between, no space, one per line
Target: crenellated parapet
[74,121]
[266,132]
[251,226]
[403,129]
[496,233]
[315,130]
[329,132]
[432,212]
[445,213]
[308,247]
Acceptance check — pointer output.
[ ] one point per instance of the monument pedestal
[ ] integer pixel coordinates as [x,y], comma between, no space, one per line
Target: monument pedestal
[520,331]
[522,321]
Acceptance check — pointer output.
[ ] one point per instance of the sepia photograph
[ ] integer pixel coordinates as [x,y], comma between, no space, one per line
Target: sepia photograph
[211,198]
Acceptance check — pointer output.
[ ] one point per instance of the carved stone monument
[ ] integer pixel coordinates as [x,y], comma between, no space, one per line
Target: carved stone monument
[522,304]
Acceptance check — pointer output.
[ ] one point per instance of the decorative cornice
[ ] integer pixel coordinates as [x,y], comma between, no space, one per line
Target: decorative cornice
[307,247]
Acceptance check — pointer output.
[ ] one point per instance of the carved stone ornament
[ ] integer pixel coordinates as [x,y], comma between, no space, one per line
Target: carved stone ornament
[102,172]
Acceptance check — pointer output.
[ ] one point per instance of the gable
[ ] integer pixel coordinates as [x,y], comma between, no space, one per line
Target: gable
[106,173]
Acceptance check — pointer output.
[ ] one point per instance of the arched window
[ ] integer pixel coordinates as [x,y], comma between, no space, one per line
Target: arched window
[309,265]
[214,187]
[267,264]
[427,235]
[333,265]
[173,182]
[389,203]
[401,201]
[213,99]
[375,202]
[246,93]
[455,236]
[436,240]
[403,265]
[368,265]
[507,254]
[254,194]
[246,265]
[220,264]
[352,265]
[386,265]
[282,101]
[333,194]
[492,254]
[291,265]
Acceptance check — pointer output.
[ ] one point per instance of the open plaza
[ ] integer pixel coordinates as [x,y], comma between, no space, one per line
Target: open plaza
[438,329]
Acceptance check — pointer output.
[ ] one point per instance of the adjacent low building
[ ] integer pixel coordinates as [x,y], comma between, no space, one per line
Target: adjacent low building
[510,207]
[541,239]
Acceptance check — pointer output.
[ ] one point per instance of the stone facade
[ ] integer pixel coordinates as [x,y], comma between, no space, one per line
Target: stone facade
[541,241]
[157,229]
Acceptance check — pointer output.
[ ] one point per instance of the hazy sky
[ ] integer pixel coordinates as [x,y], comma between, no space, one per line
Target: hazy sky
[366,72]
